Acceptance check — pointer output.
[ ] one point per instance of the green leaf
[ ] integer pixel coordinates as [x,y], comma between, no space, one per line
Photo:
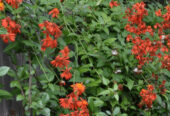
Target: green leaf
[10,47]
[100,114]
[15,84]
[106,30]
[29,43]
[94,83]
[130,84]
[98,3]
[85,68]
[46,112]
[116,29]
[123,114]
[115,86]
[105,92]
[116,111]
[17,11]
[109,41]
[3,31]
[159,100]
[45,97]
[96,101]
[147,113]
[116,96]
[91,104]
[4,70]
[59,90]
[166,72]
[51,86]
[105,81]
[76,77]
[20,97]
[5,94]
[48,1]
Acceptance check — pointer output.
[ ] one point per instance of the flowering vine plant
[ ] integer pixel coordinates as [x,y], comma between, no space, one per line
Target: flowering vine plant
[87,58]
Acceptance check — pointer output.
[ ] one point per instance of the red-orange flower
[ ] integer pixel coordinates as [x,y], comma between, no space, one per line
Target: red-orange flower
[10,25]
[64,115]
[54,12]
[150,87]
[82,104]
[12,29]
[147,97]
[60,62]
[50,29]
[84,112]
[78,88]
[64,102]
[144,49]
[48,42]
[72,102]
[14,3]
[113,3]
[1,6]
[66,74]
[158,13]
[166,61]
[65,51]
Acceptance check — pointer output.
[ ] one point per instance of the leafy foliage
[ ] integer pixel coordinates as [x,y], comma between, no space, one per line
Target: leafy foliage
[100,56]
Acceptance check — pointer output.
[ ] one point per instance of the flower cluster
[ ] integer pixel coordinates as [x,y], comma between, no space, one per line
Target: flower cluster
[75,103]
[50,29]
[72,101]
[14,3]
[145,50]
[166,61]
[12,29]
[113,3]
[147,97]
[62,61]
[135,16]
[166,17]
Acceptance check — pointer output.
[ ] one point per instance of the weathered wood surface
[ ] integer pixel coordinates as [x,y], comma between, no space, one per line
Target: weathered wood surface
[9,107]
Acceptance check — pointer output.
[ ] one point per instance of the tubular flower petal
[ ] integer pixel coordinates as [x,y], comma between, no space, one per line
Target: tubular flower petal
[54,12]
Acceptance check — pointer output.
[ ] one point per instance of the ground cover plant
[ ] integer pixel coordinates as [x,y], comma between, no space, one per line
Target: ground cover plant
[88,57]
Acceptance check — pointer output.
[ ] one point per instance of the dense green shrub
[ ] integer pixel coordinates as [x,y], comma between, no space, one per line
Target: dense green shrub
[101,56]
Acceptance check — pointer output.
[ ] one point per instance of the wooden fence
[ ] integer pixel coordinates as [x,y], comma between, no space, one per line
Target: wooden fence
[9,107]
